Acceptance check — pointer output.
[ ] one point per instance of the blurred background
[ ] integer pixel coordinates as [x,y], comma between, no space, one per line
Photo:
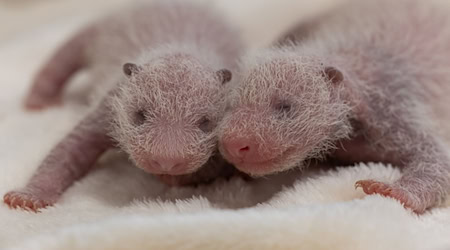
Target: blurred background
[260,19]
[23,16]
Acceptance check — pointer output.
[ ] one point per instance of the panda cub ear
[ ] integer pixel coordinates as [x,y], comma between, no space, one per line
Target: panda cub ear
[130,68]
[333,75]
[224,75]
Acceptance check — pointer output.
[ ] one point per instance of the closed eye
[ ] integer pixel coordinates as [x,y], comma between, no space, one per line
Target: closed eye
[205,124]
[139,117]
[283,107]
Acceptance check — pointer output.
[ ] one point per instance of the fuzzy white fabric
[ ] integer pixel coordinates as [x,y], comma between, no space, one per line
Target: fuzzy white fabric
[118,206]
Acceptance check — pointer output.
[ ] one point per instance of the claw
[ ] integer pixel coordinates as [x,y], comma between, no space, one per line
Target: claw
[403,196]
[27,200]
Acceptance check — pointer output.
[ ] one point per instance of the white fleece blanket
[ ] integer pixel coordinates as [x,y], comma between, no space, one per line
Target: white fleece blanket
[118,206]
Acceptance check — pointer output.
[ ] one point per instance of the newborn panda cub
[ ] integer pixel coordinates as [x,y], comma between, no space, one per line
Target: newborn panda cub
[366,83]
[167,62]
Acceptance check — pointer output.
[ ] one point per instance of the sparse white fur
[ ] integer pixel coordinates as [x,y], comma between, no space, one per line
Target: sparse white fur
[166,63]
[395,59]
[174,104]
[314,104]
[413,38]
[179,48]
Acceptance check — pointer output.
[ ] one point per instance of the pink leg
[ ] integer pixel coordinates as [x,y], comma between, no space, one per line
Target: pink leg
[426,171]
[47,87]
[72,158]
[417,190]
[389,190]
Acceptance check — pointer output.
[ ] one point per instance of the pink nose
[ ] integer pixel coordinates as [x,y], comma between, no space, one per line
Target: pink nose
[168,164]
[242,149]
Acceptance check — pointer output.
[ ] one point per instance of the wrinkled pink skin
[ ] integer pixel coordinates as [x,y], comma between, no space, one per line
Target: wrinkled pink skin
[75,155]
[71,159]
[384,79]
[418,188]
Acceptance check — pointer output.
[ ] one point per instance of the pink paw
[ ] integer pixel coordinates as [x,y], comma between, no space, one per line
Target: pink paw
[27,200]
[388,190]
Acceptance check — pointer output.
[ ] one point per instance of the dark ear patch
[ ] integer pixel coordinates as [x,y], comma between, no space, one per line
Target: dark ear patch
[224,75]
[130,68]
[333,74]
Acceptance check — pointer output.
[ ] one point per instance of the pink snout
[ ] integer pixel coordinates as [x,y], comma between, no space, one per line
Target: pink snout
[243,150]
[166,165]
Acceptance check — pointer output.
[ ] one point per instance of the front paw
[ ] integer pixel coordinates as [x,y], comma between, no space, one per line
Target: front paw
[390,190]
[28,200]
